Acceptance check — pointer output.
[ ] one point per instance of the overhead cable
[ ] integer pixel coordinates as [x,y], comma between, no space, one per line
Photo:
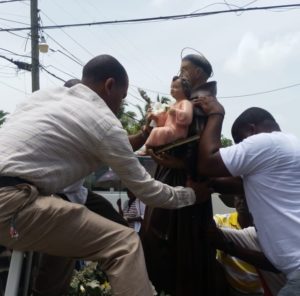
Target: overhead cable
[159,18]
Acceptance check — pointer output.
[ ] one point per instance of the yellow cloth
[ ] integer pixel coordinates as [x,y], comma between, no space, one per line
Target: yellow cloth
[241,276]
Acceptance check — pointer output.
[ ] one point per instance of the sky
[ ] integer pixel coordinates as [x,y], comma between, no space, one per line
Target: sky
[252,52]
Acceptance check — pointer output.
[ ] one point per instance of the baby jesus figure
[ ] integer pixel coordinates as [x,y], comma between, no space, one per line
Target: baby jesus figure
[173,124]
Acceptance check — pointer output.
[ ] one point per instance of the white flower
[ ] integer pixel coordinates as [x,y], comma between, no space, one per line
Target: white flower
[159,107]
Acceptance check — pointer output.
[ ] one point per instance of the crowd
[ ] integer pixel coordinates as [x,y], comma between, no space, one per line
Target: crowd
[59,136]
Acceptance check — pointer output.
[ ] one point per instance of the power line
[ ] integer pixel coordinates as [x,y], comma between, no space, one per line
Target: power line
[74,40]
[262,92]
[52,74]
[12,21]
[19,90]
[8,1]
[159,18]
[151,90]
[14,53]
[72,76]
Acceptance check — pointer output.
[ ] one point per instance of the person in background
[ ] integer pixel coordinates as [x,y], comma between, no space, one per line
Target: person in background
[241,276]
[133,211]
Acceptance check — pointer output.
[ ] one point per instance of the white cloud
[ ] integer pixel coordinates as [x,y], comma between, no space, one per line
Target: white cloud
[254,54]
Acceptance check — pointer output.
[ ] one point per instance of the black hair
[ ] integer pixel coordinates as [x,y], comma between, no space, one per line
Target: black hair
[185,84]
[254,115]
[103,67]
[72,82]
[201,62]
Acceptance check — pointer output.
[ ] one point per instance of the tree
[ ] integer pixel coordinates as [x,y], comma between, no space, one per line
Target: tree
[149,102]
[2,116]
[225,142]
[128,120]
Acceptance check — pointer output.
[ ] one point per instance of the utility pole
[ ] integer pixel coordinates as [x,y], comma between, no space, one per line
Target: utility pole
[35,72]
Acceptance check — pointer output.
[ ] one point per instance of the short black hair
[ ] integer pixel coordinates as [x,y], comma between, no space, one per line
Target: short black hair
[72,82]
[103,67]
[253,115]
[185,84]
[201,62]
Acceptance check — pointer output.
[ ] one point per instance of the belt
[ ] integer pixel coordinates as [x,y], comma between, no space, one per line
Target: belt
[6,181]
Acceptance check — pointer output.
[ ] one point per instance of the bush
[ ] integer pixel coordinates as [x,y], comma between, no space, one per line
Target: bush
[90,281]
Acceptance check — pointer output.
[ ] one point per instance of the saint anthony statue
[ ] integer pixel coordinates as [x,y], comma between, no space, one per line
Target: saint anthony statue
[180,261]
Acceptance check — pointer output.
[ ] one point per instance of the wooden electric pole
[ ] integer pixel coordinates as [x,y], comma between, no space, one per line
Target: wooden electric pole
[35,72]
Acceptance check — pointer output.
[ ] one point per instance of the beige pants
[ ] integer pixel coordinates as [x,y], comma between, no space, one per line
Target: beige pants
[54,226]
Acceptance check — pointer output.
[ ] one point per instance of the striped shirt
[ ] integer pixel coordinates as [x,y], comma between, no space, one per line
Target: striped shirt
[136,209]
[59,136]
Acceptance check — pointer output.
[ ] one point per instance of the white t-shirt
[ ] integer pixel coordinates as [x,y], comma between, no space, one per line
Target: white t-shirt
[269,164]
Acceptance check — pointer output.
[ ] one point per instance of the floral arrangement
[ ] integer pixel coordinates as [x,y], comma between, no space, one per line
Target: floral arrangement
[90,281]
[158,108]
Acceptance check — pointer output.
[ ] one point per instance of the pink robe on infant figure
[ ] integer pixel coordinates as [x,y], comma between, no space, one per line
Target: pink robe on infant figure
[171,125]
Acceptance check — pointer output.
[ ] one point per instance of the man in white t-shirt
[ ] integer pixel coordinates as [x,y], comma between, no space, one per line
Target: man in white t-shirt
[268,162]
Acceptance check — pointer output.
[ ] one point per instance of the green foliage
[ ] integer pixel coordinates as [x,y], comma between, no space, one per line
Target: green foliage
[90,281]
[2,116]
[148,103]
[129,118]
[225,142]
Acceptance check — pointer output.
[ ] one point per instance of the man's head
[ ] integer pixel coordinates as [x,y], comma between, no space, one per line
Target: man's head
[244,216]
[130,195]
[108,78]
[196,69]
[253,121]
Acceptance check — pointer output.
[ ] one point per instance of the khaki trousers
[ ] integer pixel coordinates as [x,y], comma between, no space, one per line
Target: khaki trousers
[53,274]
[50,225]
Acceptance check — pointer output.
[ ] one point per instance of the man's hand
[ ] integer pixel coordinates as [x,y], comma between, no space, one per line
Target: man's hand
[166,160]
[202,191]
[209,105]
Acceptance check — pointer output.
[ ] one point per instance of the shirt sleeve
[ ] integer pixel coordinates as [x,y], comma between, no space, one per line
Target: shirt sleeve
[254,154]
[117,152]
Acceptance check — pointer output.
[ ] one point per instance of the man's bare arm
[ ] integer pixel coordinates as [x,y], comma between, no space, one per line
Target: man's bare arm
[210,162]
[227,185]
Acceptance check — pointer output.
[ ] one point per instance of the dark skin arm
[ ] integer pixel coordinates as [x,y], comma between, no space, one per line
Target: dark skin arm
[227,185]
[119,204]
[256,258]
[139,139]
[210,162]
[167,160]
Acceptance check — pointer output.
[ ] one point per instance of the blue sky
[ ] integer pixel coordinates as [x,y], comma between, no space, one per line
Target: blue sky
[250,52]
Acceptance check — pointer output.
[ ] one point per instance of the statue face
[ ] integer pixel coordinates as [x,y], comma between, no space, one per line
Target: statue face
[176,89]
[192,73]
